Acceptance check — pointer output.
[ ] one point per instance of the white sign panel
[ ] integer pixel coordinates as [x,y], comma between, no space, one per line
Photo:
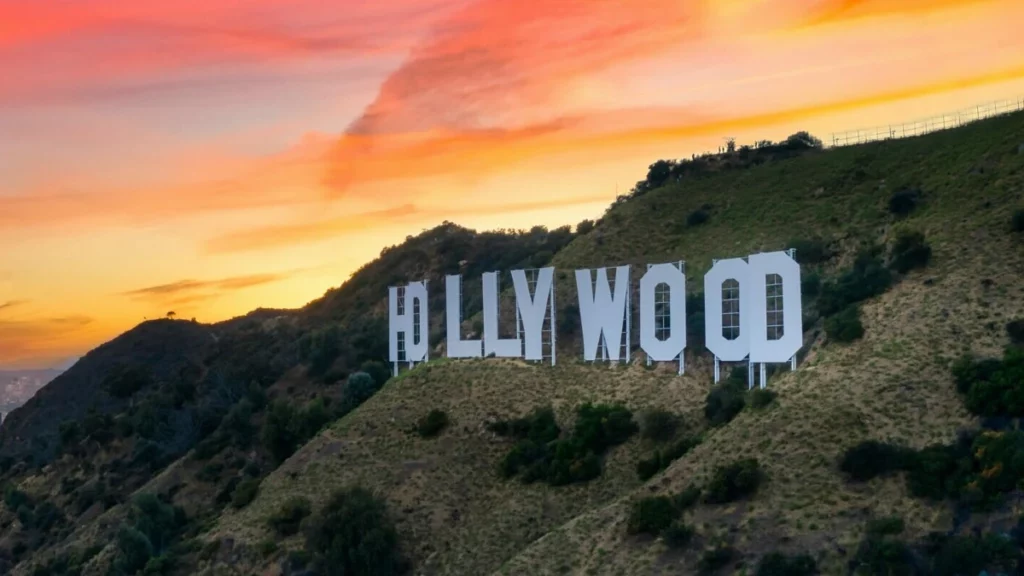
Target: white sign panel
[752,311]
[601,313]
[533,308]
[415,300]
[670,348]
[457,347]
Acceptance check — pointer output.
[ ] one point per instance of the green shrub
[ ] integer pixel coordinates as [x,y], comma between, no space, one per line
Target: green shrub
[714,559]
[871,458]
[379,371]
[938,472]
[724,402]
[677,535]
[910,251]
[432,424]
[868,278]
[359,388]
[601,426]
[133,550]
[882,555]
[540,455]
[888,526]
[659,425]
[127,382]
[286,427]
[811,251]
[761,397]
[245,493]
[279,435]
[697,217]
[539,427]
[1018,221]
[287,519]
[810,285]
[845,326]
[153,528]
[688,498]
[646,468]
[904,201]
[1015,330]
[996,389]
[973,554]
[339,549]
[69,433]
[735,481]
[320,348]
[267,548]
[776,564]
[15,499]
[652,514]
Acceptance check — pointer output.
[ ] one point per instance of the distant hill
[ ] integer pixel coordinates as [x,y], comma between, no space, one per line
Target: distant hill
[17,386]
[183,448]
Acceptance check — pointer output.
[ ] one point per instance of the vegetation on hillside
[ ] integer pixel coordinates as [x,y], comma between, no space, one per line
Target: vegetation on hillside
[161,446]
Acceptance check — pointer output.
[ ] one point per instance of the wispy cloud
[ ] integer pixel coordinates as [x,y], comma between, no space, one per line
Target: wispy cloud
[188,291]
[270,237]
[40,338]
[12,304]
[104,46]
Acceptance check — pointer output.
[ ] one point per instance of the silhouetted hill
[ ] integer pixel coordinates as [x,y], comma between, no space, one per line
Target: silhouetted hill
[152,353]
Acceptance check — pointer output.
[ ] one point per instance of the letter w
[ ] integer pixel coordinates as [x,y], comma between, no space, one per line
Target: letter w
[601,314]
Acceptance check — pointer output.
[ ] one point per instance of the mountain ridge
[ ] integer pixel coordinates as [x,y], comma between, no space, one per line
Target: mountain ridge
[273,405]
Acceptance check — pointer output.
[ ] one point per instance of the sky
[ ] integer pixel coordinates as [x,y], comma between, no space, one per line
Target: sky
[211,157]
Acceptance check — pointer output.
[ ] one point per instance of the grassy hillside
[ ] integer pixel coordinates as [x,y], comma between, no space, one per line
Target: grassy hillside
[305,430]
[894,384]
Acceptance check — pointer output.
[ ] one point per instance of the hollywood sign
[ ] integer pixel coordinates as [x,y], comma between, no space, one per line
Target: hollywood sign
[752,311]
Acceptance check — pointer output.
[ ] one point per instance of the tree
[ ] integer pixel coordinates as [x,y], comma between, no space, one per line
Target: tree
[354,535]
[171,314]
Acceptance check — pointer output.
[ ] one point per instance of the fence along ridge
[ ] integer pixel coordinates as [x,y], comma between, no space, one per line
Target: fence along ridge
[928,125]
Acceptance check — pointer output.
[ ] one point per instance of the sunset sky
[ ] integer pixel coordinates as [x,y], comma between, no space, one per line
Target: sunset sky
[210,157]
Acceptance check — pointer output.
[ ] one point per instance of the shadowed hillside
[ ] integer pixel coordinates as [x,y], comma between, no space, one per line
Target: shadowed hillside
[910,260]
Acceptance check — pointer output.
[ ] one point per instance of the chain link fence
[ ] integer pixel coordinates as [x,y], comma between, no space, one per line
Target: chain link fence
[927,125]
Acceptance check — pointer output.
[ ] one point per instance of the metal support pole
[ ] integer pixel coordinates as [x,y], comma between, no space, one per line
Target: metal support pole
[554,330]
[629,318]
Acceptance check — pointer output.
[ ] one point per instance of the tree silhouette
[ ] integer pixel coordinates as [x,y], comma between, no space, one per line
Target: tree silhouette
[171,314]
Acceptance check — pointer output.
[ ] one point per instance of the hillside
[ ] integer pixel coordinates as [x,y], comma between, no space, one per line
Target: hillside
[17,386]
[291,409]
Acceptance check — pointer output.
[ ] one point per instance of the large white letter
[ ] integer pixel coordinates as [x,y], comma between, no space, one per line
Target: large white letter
[532,308]
[415,351]
[736,346]
[600,313]
[775,318]
[457,347]
[673,346]
[509,347]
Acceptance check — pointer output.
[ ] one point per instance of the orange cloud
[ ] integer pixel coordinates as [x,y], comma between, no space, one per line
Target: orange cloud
[841,11]
[12,304]
[50,338]
[407,214]
[189,291]
[104,47]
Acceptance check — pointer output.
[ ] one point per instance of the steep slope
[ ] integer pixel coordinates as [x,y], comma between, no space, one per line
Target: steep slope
[163,348]
[460,515]
[893,384]
[121,419]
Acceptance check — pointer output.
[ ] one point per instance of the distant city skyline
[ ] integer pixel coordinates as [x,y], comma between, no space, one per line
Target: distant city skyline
[18,386]
[214,158]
